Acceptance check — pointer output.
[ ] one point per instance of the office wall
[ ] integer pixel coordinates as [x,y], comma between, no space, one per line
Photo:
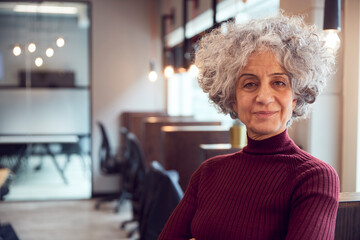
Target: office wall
[121,50]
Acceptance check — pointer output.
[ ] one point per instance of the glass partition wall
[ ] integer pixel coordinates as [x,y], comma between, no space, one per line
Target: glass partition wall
[45,100]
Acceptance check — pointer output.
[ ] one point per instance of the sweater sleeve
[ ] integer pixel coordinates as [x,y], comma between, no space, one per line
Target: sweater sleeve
[179,223]
[314,203]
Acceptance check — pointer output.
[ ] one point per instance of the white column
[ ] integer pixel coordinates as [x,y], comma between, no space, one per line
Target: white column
[350,158]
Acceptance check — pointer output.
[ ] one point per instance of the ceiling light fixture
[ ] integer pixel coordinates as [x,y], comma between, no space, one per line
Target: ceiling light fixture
[45,9]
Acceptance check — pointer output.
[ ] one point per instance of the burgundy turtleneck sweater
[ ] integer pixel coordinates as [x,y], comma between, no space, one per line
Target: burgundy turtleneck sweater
[270,190]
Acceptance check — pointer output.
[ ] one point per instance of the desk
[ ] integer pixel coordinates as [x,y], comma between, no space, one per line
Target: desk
[29,139]
[7,143]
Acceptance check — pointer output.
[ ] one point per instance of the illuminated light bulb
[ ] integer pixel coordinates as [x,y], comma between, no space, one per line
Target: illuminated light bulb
[32,47]
[332,40]
[193,70]
[152,76]
[49,52]
[169,71]
[181,70]
[60,42]
[39,61]
[16,50]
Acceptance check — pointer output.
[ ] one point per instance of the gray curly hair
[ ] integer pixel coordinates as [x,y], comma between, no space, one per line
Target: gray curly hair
[300,51]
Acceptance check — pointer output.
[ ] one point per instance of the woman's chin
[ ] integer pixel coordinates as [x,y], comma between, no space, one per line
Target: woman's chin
[263,133]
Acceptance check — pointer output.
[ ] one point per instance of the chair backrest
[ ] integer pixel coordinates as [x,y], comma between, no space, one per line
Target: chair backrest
[348,217]
[135,169]
[108,163]
[11,156]
[161,195]
[104,138]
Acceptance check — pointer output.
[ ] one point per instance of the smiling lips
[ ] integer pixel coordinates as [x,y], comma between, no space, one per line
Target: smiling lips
[265,114]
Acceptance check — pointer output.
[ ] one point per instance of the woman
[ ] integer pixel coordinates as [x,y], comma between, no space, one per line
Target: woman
[266,73]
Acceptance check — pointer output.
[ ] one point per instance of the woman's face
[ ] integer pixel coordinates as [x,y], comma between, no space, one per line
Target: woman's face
[264,98]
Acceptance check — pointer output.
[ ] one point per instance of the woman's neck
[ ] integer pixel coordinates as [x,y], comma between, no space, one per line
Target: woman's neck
[278,144]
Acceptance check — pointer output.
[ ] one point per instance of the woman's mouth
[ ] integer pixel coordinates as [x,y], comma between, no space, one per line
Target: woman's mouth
[265,114]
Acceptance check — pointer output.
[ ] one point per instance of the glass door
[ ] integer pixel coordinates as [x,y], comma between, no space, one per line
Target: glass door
[45,100]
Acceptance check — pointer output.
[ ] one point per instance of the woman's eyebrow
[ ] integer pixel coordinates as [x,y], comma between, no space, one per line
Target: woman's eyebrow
[272,74]
[278,74]
[247,74]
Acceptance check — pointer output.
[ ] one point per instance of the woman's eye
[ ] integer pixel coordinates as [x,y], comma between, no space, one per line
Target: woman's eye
[280,83]
[249,85]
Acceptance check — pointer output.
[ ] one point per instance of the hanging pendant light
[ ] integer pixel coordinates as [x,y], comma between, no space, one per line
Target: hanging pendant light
[32,47]
[332,15]
[17,50]
[152,74]
[49,52]
[332,24]
[193,70]
[60,42]
[39,61]
[169,71]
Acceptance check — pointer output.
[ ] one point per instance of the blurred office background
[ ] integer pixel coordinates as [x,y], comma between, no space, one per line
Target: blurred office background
[90,63]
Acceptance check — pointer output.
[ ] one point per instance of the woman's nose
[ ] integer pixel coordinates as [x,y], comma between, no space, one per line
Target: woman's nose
[265,95]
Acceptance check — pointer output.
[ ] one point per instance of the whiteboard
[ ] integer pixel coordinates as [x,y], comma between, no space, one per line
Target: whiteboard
[44,111]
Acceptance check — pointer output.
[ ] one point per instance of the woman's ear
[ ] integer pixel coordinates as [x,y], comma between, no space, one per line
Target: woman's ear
[234,106]
[294,104]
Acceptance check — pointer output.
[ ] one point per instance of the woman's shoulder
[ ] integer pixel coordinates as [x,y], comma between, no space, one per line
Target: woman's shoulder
[219,161]
[309,165]
[211,165]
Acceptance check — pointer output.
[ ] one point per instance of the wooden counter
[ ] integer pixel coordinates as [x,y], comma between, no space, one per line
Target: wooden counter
[211,150]
[152,143]
[181,147]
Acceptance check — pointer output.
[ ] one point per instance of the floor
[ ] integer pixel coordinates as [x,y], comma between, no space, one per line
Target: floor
[69,219]
[47,184]
[40,206]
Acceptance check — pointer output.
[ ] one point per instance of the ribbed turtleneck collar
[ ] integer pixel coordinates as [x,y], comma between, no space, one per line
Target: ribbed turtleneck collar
[279,144]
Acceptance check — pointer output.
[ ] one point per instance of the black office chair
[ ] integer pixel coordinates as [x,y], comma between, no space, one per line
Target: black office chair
[111,163]
[161,195]
[11,156]
[133,177]
[77,148]
[7,232]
